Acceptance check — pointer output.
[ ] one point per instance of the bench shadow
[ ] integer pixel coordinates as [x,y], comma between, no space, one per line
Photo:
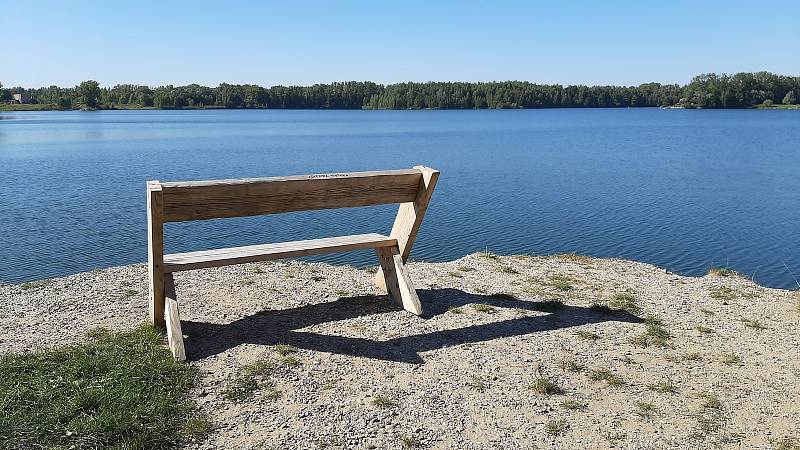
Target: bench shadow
[282,326]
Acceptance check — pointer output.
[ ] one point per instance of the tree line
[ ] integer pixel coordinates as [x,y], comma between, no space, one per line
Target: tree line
[741,90]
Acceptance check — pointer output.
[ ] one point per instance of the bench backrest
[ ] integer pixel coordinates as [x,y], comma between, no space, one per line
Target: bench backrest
[199,200]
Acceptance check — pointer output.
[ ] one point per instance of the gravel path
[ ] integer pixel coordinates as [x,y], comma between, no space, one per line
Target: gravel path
[512,354]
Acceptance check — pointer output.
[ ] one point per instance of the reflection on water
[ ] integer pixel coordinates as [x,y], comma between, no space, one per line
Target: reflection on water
[686,190]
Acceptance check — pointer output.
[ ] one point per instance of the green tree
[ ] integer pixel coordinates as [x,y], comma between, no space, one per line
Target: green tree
[789,99]
[89,92]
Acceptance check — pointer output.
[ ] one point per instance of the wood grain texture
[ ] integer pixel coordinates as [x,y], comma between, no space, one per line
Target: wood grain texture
[173,320]
[155,253]
[398,283]
[409,218]
[199,200]
[252,253]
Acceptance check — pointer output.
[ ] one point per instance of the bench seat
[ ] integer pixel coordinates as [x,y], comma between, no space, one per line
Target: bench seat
[177,262]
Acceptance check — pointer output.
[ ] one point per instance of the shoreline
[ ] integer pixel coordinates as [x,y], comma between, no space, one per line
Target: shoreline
[35,107]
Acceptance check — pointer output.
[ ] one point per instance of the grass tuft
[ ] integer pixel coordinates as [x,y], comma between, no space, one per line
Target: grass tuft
[571,365]
[588,335]
[625,301]
[655,334]
[455,310]
[556,427]
[484,308]
[383,401]
[546,386]
[573,405]
[117,390]
[730,359]
[703,329]
[507,269]
[721,272]
[664,387]
[752,323]
[504,296]
[285,349]
[410,442]
[560,282]
[477,383]
[606,375]
[455,274]
[645,410]
[722,293]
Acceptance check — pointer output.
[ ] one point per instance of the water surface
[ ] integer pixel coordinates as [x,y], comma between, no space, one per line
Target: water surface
[686,190]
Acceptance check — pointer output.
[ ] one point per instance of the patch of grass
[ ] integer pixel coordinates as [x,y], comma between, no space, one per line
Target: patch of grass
[507,269]
[722,293]
[556,427]
[721,272]
[291,361]
[663,387]
[240,388]
[560,282]
[372,269]
[455,310]
[752,323]
[504,296]
[655,334]
[573,405]
[410,441]
[247,282]
[477,383]
[127,293]
[645,410]
[730,359]
[466,269]
[484,308]
[710,418]
[546,386]
[257,270]
[692,356]
[284,349]
[709,400]
[383,401]
[588,335]
[606,375]
[703,329]
[196,427]
[455,274]
[625,301]
[571,365]
[488,255]
[117,390]
[341,293]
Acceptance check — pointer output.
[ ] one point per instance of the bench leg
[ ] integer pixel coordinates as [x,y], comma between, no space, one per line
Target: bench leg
[173,320]
[396,280]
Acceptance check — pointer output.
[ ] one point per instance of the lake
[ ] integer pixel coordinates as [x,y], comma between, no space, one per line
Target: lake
[685,190]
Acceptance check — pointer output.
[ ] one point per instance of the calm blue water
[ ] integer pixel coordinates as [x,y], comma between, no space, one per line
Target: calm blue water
[685,190]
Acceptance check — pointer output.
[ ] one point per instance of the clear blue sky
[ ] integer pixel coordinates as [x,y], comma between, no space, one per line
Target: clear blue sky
[305,42]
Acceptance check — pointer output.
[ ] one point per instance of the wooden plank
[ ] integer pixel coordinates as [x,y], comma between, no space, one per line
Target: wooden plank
[155,252]
[409,217]
[238,255]
[198,200]
[397,281]
[174,332]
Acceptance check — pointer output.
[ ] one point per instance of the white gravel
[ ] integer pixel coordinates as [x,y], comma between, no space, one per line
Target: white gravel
[458,380]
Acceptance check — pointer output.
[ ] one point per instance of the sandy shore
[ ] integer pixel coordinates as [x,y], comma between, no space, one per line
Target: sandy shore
[368,375]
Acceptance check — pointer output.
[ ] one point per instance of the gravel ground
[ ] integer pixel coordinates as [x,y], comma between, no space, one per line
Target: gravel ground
[471,374]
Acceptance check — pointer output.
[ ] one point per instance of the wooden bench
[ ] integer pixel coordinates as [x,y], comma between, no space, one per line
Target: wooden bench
[201,200]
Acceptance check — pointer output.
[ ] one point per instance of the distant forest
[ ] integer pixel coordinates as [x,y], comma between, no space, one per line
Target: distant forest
[742,90]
